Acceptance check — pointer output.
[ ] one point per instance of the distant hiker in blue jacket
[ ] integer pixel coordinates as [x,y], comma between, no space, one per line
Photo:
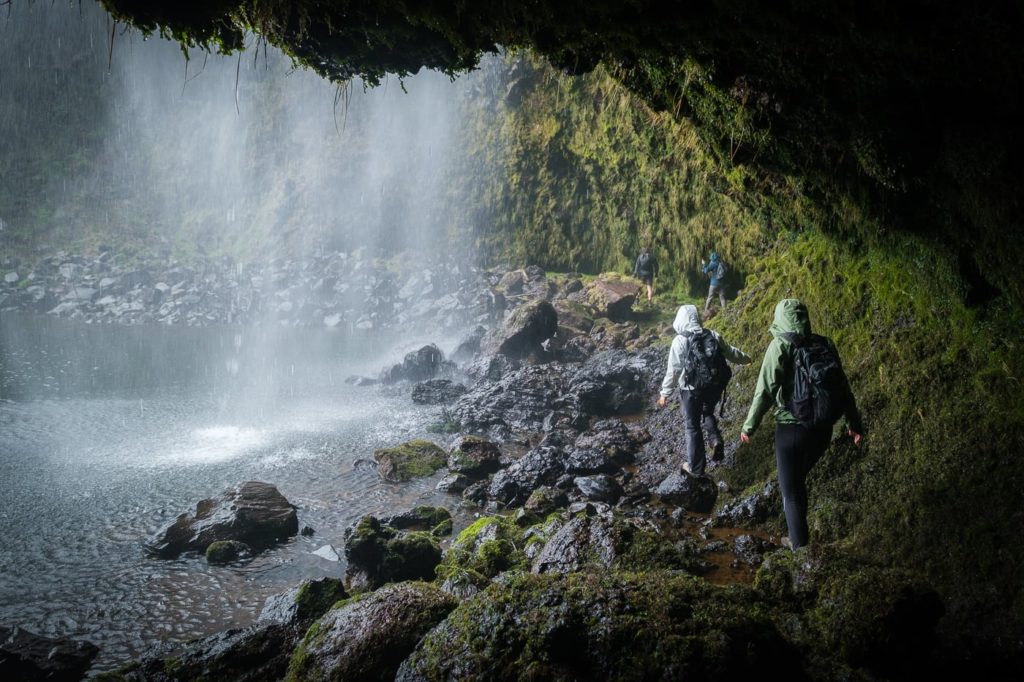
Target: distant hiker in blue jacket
[717,270]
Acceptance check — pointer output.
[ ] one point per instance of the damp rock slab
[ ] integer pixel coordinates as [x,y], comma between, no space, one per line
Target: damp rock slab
[253,512]
[27,656]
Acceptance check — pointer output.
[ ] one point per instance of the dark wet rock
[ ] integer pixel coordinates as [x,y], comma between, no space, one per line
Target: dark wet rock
[226,551]
[454,484]
[492,368]
[583,542]
[369,637]
[418,518]
[614,439]
[514,485]
[437,392]
[468,347]
[600,488]
[28,656]
[521,401]
[307,531]
[522,333]
[611,383]
[413,459]
[545,500]
[512,282]
[252,654]
[611,295]
[573,319]
[751,550]
[693,493]
[379,554]
[303,603]
[476,493]
[755,508]
[419,365]
[253,512]
[474,457]
[608,627]
[587,462]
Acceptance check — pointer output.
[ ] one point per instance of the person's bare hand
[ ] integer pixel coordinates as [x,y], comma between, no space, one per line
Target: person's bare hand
[744,438]
[857,438]
[662,401]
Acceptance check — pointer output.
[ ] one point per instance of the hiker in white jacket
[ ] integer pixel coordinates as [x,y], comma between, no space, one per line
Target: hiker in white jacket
[698,358]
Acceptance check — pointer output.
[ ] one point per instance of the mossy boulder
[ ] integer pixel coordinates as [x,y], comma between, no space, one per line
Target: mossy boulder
[303,603]
[487,547]
[604,626]
[474,457]
[414,459]
[868,616]
[611,295]
[368,637]
[226,551]
[418,518]
[379,554]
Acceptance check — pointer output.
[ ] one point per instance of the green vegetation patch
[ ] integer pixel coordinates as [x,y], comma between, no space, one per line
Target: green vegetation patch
[414,459]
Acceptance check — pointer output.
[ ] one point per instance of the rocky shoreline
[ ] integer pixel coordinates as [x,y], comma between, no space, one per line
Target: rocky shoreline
[592,555]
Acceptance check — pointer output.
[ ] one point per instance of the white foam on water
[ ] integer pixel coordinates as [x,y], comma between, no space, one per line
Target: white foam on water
[217,444]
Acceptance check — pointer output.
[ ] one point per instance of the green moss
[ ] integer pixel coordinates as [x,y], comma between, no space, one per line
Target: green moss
[414,459]
[225,551]
[489,546]
[443,528]
[315,597]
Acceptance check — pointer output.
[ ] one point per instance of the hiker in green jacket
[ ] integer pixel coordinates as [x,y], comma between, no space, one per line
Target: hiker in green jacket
[797,447]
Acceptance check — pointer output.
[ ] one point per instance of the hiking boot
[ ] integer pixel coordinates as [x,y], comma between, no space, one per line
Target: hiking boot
[686,467]
[718,451]
[787,543]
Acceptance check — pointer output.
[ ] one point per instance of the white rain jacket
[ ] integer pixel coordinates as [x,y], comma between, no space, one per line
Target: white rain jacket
[688,322]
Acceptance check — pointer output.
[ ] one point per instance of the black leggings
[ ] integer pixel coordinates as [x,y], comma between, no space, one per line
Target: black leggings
[797,450]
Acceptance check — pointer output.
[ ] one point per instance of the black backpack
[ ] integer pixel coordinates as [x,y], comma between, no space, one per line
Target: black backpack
[820,390]
[705,367]
[645,263]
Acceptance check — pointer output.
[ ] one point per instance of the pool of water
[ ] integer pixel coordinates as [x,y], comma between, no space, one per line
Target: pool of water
[107,433]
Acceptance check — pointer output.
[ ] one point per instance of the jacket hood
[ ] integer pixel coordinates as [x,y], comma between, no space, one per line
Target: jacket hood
[790,318]
[687,320]
[714,255]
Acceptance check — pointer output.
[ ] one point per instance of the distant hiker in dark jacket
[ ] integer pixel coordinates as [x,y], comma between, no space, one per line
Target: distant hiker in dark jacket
[645,269]
[716,269]
[698,405]
[797,447]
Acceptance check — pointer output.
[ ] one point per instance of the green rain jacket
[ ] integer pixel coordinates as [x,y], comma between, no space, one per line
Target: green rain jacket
[775,381]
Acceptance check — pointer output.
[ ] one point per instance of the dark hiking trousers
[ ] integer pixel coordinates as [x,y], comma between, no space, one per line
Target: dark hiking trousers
[699,411]
[797,450]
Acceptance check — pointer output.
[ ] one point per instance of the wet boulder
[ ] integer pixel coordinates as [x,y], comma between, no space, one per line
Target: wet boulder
[419,518]
[304,603]
[585,462]
[613,439]
[523,332]
[611,295]
[493,368]
[368,638]
[528,399]
[545,500]
[28,656]
[378,554]
[612,382]
[437,392]
[755,508]
[599,488]
[469,346]
[413,459]
[541,466]
[253,513]
[693,493]
[584,542]
[474,457]
[419,365]
[487,547]
[652,626]
[226,551]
